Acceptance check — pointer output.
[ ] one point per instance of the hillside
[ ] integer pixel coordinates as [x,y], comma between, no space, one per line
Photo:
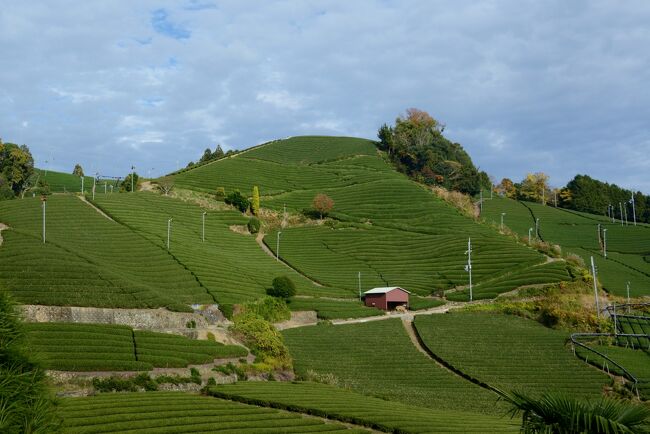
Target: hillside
[628,247]
[388,228]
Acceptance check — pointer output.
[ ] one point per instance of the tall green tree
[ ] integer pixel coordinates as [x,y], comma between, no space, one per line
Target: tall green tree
[16,166]
[255,201]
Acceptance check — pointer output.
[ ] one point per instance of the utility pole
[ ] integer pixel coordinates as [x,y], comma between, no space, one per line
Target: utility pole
[359,277]
[169,230]
[277,247]
[611,207]
[555,193]
[633,209]
[43,200]
[502,214]
[104,187]
[203,227]
[537,227]
[530,233]
[284,215]
[625,213]
[600,242]
[627,286]
[468,267]
[94,184]
[480,203]
[132,176]
[111,188]
[593,273]
[620,206]
[82,185]
[605,243]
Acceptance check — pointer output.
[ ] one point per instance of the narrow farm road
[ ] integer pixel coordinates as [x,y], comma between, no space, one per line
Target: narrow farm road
[2,228]
[260,241]
[83,199]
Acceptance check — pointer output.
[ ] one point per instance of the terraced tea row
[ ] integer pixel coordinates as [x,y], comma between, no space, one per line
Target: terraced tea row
[347,406]
[508,352]
[87,347]
[87,260]
[168,412]
[418,262]
[378,359]
[65,182]
[578,233]
[230,265]
[550,272]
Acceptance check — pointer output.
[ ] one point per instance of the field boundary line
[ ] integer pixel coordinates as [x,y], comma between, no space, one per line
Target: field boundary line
[90,204]
[265,248]
[178,261]
[439,360]
[355,422]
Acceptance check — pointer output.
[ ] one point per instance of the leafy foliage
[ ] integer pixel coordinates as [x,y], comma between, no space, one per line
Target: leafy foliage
[16,166]
[255,201]
[263,339]
[78,170]
[323,204]
[282,287]
[417,147]
[561,414]
[238,200]
[272,309]
[126,184]
[25,404]
[254,225]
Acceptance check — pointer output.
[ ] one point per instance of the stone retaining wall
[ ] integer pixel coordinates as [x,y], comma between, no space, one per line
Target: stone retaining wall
[147,319]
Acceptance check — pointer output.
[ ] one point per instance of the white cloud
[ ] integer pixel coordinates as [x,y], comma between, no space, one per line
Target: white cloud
[280,99]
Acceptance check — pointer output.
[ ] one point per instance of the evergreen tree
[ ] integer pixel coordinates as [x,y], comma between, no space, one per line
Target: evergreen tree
[255,202]
[78,170]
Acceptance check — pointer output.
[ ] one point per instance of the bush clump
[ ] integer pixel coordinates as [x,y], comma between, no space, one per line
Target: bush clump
[237,200]
[271,309]
[254,225]
[220,193]
[282,287]
[264,340]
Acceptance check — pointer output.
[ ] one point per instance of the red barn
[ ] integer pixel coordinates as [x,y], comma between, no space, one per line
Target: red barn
[387,298]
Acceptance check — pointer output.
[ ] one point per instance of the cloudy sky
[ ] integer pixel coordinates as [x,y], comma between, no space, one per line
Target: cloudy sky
[555,86]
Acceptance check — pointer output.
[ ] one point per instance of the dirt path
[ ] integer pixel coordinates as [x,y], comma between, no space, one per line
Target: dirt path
[260,241]
[83,199]
[2,228]
[408,316]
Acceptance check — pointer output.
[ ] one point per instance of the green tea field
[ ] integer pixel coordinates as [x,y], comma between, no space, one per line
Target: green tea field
[88,347]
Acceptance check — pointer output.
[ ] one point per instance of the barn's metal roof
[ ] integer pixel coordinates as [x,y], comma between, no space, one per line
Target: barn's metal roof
[384,290]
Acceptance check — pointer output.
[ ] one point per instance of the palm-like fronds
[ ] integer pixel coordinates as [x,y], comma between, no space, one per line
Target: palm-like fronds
[561,414]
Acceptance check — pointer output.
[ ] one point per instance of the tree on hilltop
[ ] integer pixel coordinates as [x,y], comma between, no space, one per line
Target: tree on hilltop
[323,204]
[17,167]
[535,188]
[78,170]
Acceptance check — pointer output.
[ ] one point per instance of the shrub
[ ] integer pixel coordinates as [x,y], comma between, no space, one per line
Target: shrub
[283,287]
[210,336]
[114,384]
[220,193]
[263,339]
[254,225]
[270,308]
[237,200]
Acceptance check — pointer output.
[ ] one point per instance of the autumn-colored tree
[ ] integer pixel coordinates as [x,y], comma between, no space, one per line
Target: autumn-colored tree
[255,202]
[323,204]
[507,188]
[78,170]
[565,197]
[535,187]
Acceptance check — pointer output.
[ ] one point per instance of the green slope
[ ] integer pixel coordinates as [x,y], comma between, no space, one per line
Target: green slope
[387,227]
[378,359]
[509,353]
[575,232]
[65,182]
[87,260]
